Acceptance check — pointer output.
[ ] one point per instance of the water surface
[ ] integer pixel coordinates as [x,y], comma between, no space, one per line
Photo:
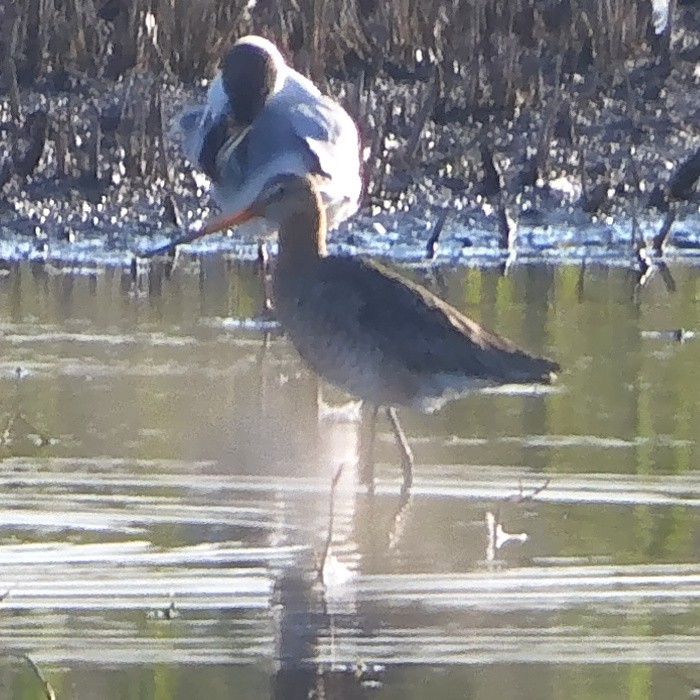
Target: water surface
[167,465]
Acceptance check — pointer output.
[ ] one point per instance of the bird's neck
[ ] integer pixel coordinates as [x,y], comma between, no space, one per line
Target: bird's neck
[302,238]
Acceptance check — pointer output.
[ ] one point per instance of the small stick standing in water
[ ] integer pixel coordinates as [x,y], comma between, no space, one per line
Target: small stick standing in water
[431,245]
[522,497]
[264,268]
[17,418]
[680,187]
[659,239]
[496,535]
[48,689]
[320,571]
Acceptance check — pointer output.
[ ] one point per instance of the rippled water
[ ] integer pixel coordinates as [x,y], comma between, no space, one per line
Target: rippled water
[167,465]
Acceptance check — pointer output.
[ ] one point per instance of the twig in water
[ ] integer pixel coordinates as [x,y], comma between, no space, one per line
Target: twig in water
[497,536]
[659,239]
[648,266]
[437,230]
[329,534]
[635,238]
[33,430]
[264,269]
[399,519]
[666,276]
[48,690]
[644,263]
[646,269]
[507,229]
[169,613]
[522,497]
[18,418]
[580,282]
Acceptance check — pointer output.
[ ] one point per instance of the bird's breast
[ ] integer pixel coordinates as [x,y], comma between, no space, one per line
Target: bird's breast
[340,355]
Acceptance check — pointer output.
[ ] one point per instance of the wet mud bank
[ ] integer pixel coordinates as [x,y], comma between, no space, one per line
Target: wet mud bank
[584,163]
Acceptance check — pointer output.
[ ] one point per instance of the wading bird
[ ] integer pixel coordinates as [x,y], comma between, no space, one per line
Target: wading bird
[262,118]
[370,331]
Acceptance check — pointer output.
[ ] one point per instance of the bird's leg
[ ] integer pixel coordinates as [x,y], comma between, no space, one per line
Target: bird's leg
[264,267]
[368,424]
[404,448]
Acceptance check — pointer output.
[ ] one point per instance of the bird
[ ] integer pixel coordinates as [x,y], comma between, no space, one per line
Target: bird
[370,331]
[263,118]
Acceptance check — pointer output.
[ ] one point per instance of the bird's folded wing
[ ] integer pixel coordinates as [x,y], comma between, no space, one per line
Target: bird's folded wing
[368,305]
[329,132]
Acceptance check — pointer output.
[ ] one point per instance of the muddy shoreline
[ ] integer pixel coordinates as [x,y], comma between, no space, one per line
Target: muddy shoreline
[591,170]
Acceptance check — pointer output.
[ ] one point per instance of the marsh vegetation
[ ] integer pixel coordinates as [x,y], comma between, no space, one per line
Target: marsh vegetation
[537,111]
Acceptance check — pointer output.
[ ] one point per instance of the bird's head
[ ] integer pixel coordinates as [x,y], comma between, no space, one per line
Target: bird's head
[251,72]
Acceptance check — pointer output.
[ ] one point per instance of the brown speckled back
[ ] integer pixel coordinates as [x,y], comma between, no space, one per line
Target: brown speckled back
[377,335]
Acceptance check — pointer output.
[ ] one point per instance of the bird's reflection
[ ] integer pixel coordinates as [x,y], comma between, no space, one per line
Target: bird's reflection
[316,611]
[318,596]
[311,662]
[329,432]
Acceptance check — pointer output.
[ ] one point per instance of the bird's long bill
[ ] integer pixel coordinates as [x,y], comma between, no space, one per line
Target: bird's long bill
[214,225]
[224,221]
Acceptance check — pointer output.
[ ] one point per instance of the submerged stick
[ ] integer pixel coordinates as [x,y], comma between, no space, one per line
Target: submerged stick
[399,519]
[18,418]
[496,535]
[48,690]
[667,277]
[331,517]
[581,282]
[522,497]
[659,239]
[431,245]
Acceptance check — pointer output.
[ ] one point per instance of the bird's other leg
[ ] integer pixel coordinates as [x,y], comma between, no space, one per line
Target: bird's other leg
[368,425]
[264,269]
[404,448]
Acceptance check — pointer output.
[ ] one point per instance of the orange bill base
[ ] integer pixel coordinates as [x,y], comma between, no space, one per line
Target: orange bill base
[214,225]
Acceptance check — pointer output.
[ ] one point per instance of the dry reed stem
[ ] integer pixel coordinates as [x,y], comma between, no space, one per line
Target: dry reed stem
[490,43]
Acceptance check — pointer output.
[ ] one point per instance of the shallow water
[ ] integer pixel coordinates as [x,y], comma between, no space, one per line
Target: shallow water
[167,466]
